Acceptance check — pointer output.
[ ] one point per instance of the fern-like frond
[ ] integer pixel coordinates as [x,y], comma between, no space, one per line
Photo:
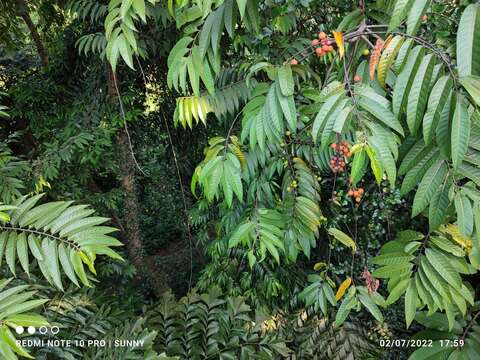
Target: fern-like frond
[58,235]
[16,304]
[90,10]
[92,43]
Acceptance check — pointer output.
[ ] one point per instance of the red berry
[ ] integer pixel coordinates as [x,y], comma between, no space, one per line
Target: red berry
[357,78]
[319,51]
[330,48]
[361,191]
[325,48]
[350,192]
[333,146]
[322,35]
[315,42]
[357,199]
[294,62]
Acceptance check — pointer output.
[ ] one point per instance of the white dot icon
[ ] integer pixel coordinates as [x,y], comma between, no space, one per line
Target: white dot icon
[31,330]
[19,330]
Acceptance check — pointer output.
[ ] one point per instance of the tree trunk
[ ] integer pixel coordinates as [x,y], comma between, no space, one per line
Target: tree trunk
[131,211]
[23,11]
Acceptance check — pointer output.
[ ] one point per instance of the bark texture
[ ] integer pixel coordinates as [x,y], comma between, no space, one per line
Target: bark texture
[23,11]
[131,211]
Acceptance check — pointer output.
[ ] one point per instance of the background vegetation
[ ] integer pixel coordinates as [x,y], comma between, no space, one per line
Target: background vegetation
[272,179]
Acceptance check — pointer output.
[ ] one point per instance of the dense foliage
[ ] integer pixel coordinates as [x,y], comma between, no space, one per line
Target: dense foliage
[289,179]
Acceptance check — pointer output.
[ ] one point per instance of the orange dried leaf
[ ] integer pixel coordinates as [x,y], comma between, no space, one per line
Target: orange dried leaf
[343,288]
[375,57]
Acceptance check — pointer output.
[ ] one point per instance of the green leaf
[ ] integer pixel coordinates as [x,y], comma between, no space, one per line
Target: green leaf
[463,206]
[372,307]
[439,204]
[383,153]
[287,103]
[51,261]
[241,234]
[393,271]
[374,164]
[241,7]
[10,251]
[358,166]
[347,304]
[66,264]
[442,267]
[397,291]
[125,50]
[472,85]
[460,132]
[325,111]
[418,9]
[474,255]
[22,252]
[399,13]
[139,7]
[179,50]
[7,337]
[405,79]
[410,303]
[285,80]
[341,119]
[468,41]
[436,103]
[418,96]
[443,131]
[430,184]
[371,104]
[78,267]
[447,245]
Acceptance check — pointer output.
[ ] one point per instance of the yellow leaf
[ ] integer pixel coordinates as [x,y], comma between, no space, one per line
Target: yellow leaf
[318,266]
[374,164]
[392,46]
[88,261]
[343,288]
[356,148]
[454,232]
[343,238]
[339,40]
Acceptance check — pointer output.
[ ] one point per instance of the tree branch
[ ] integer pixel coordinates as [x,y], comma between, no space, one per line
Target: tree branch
[23,12]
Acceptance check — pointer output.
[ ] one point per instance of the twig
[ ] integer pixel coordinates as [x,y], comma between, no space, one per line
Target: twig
[122,112]
[470,324]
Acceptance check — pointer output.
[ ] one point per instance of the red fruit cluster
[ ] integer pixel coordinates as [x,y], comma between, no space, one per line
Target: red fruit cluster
[323,43]
[337,163]
[356,194]
[341,148]
[342,151]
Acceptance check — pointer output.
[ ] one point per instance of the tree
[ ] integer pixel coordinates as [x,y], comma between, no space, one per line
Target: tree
[409,111]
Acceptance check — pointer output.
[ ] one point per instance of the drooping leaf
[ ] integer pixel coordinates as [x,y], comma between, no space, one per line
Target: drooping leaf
[468,41]
[429,185]
[460,132]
